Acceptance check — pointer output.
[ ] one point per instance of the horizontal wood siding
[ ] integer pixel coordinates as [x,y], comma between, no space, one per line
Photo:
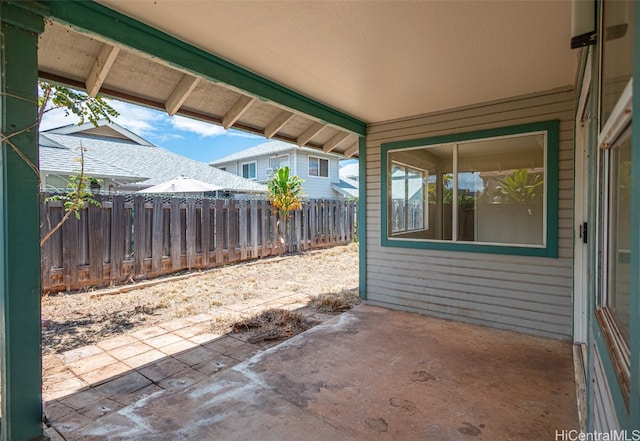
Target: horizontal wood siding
[521,293]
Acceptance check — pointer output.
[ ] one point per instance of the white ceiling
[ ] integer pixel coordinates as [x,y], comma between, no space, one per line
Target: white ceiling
[381,60]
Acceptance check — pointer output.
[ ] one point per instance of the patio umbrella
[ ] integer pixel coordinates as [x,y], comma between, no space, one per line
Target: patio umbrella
[182,184]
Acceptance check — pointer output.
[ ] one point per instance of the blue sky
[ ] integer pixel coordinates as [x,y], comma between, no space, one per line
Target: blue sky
[194,139]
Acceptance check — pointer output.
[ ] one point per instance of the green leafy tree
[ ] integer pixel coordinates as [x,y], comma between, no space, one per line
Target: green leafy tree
[285,194]
[86,108]
[520,187]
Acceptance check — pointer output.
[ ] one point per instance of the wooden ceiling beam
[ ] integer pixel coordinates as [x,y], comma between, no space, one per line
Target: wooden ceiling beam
[312,131]
[100,68]
[236,111]
[351,150]
[278,122]
[333,142]
[180,93]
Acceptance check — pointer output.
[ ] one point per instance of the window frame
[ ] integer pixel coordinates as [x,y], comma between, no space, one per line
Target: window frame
[550,247]
[318,158]
[617,124]
[255,168]
[277,157]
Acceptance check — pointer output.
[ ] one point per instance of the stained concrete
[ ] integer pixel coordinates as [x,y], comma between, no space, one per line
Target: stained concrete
[369,374]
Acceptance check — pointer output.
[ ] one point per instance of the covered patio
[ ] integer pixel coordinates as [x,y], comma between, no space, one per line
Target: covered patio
[394,84]
[370,373]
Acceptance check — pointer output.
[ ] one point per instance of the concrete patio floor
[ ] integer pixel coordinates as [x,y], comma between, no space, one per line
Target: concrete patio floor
[370,373]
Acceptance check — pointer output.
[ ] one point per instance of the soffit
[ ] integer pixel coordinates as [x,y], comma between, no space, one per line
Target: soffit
[381,60]
[76,58]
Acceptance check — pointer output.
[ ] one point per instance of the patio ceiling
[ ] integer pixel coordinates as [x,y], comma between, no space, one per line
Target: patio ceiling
[373,61]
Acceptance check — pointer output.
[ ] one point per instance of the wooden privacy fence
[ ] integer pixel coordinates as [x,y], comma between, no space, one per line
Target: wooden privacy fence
[134,237]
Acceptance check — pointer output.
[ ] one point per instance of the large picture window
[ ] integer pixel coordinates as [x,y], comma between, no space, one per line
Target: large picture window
[489,191]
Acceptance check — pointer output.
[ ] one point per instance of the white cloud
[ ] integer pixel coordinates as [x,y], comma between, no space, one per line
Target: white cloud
[140,120]
[57,118]
[198,127]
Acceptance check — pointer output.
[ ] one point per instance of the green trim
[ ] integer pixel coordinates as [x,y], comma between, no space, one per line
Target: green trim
[622,414]
[634,344]
[88,16]
[551,248]
[362,215]
[20,365]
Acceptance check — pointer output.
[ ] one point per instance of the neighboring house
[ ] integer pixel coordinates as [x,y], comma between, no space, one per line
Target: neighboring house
[124,161]
[348,186]
[319,170]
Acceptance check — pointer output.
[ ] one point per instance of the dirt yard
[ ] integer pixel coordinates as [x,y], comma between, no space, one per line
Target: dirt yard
[76,319]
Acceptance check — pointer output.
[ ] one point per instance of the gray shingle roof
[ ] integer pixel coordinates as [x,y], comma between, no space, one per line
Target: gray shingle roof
[155,163]
[266,148]
[66,161]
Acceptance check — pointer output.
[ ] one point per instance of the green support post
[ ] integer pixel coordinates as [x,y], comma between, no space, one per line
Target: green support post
[20,354]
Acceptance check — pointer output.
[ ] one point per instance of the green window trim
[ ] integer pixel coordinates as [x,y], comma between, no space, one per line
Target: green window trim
[550,249]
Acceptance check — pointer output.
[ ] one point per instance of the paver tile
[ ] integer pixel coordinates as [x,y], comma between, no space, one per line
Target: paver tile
[54,410]
[78,353]
[182,379]
[105,373]
[91,363]
[162,369]
[178,347]
[72,422]
[176,324]
[116,342]
[204,338]
[224,344]
[147,333]
[195,355]
[215,364]
[81,399]
[144,359]
[130,350]
[127,399]
[63,388]
[200,318]
[100,408]
[124,385]
[192,330]
[163,340]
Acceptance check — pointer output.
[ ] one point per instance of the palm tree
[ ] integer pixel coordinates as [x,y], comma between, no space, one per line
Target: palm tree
[285,194]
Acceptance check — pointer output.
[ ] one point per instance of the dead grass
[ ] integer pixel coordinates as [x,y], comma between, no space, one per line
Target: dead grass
[272,324]
[75,319]
[335,301]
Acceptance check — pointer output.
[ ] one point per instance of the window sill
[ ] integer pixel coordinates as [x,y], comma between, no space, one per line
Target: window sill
[618,349]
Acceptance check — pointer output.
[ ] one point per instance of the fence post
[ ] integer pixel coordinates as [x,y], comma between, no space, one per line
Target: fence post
[70,252]
[232,219]
[242,224]
[254,228]
[96,254]
[117,237]
[191,232]
[138,234]
[175,229]
[206,232]
[264,220]
[156,235]
[47,248]
[219,238]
